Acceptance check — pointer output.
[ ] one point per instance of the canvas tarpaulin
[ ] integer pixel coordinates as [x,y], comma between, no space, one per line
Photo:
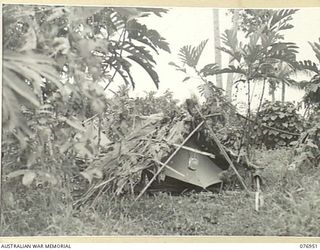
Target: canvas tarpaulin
[197,169]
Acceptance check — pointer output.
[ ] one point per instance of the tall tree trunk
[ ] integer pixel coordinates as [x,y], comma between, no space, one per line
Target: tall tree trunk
[217,52]
[273,95]
[272,90]
[235,20]
[283,93]
[261,97]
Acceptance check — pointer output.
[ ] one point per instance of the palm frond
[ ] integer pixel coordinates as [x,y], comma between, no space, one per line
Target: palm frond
[210,69]
[229,38]
[233,69]
[156,11]
[316,48]
[284,52]
[279,19]
[309,65]
[190,55]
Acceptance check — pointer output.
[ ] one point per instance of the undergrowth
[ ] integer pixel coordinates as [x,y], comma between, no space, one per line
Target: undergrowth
[291,208]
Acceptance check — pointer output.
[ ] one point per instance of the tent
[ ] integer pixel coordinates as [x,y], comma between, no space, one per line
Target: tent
[197,165]
[182,149]
[199,159]
[197,169]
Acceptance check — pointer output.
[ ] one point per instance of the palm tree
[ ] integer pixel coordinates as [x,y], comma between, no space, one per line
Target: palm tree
[312,86]
[217,52]
[235,20]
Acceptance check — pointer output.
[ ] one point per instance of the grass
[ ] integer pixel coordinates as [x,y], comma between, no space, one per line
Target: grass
[291,208]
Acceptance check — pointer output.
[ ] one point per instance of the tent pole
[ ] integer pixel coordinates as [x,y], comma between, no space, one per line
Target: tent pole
[222,150]
[212,156]
[167,161]
[257,198]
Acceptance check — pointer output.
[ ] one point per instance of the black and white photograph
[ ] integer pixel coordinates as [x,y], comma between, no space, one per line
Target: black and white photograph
[149,121]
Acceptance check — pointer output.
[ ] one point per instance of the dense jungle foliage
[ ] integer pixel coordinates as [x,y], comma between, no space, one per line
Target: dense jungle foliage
[73,154]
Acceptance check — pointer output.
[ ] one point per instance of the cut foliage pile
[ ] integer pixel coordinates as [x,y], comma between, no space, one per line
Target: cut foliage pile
[145,146]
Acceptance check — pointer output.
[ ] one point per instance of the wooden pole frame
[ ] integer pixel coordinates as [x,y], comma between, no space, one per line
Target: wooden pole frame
[224,153]
[167,161]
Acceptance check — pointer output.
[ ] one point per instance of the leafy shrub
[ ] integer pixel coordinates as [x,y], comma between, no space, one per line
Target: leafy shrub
[279,116]
[307,151]
[312,96]
[312,87]
[56,61]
